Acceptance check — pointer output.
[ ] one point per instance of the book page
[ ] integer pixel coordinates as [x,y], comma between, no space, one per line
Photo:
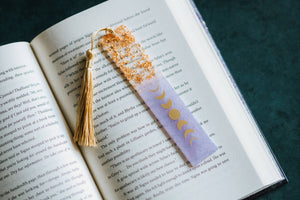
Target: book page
[222,83]
[134,157]
[37,158]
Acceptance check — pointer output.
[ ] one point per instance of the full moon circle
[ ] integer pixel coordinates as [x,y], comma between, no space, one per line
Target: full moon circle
[174,114]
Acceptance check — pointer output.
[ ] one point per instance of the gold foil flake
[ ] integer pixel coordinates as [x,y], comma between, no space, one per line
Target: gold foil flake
[128,55]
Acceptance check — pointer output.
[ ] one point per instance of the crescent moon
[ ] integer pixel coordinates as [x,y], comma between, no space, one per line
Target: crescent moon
[188,131]
[155,89]
[161,96]
[167,105]
[181,123]
[192,140]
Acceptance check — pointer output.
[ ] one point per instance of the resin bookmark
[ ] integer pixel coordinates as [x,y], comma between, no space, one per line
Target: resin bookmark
[158,94]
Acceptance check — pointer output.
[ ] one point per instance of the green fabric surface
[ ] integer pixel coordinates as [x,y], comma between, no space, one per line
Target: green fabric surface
[259,41]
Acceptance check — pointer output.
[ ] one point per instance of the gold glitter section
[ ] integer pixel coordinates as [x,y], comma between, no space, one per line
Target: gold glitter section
[128,55]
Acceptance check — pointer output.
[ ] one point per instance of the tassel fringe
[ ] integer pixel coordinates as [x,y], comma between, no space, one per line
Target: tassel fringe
[84,131]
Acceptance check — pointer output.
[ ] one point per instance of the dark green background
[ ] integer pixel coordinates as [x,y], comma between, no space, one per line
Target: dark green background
[259,41]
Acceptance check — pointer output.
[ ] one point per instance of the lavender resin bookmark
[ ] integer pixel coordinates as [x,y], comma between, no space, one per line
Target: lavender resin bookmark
[158,94]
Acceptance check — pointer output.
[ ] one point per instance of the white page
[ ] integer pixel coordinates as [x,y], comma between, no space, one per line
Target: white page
[37,158]
[230,99]
[134,157]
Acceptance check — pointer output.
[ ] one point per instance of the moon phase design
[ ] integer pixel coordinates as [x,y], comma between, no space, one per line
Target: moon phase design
[188,131]
[192,140]
[155,89]
[174,114]
[181,123]
[167,105]
[161,96]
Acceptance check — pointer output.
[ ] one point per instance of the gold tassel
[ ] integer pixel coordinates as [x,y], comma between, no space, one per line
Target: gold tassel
[84,130]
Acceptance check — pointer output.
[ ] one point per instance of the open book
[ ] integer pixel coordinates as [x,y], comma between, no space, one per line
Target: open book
[134,158]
